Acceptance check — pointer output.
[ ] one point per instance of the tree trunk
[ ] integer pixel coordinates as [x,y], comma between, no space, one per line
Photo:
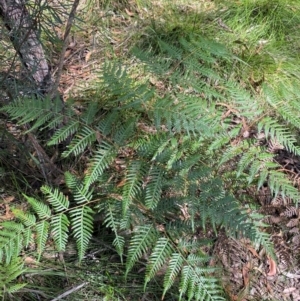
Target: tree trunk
[22,32]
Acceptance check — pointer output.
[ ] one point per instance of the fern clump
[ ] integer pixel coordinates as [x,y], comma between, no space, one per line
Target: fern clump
[159,167]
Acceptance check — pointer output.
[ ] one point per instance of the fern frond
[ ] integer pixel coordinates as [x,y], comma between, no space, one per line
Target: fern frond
[11,226]
[233,151]
[104,155]
[122,88]
[81,193]
[28,237]
[241,99]
[259,237]
[223,139]
[133,183]
[125,131]
[42,231]
[64,132]
[91,111]
[72,181]
[12,240]
[159,256]
[106,124]
[35,109]
[175,265]
[56,198]
[187,275]
[143,238]
[154,187]
[285,102]
[15,287]
[86,136]
[279,183]
[272,128]
[8,275]
[43,211]
[112,220]
[28,219]
[60,231]
[82,219]
[197,286]
[189,114]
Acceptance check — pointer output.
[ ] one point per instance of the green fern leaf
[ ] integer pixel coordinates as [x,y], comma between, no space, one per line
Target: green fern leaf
[158,258]
[11,240]
[154,187]
[82,194]
[56,198]
[279,183]
[125,131]
[133,183]
[28,219]
[64,133]
[197,286]
[82,139]
[174,267]
[144,237]
[112,220]
[82,219]
[187,275]
[259,237]
[90,113]
[9,273]
[71,181]
[284,99]
[105,154]
[42,230]
[279,133]
[28,237]
[106,125]
[43,211]
[60,228]
[12,289]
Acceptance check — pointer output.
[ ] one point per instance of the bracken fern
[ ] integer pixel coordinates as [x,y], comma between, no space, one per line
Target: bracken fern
[157,165]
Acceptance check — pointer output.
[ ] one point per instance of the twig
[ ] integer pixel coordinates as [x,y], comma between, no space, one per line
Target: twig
[46,165]
[72,290]
[70,21]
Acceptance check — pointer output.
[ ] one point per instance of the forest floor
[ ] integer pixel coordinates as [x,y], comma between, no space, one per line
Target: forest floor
[265,38]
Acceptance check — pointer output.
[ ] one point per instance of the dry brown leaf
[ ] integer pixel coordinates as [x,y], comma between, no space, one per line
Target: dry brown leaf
[30,260]
[121,183]
[88,55]
[252,251]
[245,272]
[289,290]
[8,214]
[129,13]
[272,267]
[8,199]
[228,290]
[68,53]
[293,223]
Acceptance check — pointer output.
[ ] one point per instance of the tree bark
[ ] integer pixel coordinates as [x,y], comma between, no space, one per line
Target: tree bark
[25,40]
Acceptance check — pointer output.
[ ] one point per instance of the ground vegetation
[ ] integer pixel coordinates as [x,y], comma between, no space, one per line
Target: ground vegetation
[160,159]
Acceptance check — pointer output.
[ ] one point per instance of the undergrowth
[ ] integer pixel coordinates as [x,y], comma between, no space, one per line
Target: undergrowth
[171,133]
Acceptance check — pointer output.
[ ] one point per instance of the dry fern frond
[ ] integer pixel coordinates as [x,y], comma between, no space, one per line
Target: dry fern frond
[290,211]
[293,223]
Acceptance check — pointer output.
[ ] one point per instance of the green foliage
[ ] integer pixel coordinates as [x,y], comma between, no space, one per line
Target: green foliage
[9,274]
[157,165]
